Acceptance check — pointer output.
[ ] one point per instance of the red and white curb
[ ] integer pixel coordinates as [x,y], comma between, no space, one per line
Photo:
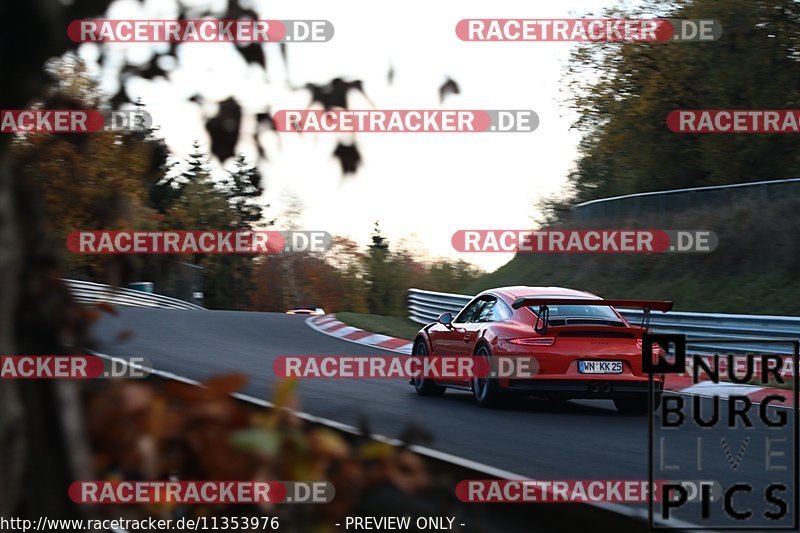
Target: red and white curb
[329,325]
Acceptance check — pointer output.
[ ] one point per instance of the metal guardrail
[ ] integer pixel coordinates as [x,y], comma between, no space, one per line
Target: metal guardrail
[425,306]
[93,293]
[682,199]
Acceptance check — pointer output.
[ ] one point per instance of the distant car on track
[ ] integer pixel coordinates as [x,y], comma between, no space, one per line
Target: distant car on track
[310,310]
[583,347]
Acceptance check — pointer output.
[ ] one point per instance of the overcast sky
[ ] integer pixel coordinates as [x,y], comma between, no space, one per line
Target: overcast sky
[422,187]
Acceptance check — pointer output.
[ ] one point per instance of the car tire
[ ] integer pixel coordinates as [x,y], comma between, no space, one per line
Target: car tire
[425,386]
[635,404]
[486,391]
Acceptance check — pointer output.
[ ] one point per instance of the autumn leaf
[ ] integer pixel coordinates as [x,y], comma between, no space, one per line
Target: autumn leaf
[260,441]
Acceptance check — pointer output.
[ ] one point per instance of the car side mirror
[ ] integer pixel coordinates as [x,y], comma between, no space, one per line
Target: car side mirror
[445,319]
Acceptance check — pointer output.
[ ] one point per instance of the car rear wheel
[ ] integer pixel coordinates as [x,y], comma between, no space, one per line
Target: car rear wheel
[486,391]
[635,404]
[425,386]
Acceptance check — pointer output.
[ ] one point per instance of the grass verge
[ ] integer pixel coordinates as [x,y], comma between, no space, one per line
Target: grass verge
[394,326]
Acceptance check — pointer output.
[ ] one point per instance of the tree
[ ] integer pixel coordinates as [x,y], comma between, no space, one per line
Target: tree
[378,274]
[450,276]
[242,187]
[623,94]
[200,204]
[348,259]
[104,175]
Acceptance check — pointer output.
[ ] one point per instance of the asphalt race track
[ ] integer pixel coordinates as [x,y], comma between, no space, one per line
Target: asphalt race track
[534,438]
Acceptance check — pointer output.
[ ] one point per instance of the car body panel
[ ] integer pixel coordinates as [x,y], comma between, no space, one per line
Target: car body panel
[308,310]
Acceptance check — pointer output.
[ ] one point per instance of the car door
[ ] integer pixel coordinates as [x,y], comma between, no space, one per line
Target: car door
[450,341]
[477,321]
[470,329]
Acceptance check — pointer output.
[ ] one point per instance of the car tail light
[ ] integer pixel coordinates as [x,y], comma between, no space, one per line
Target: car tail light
[534,341]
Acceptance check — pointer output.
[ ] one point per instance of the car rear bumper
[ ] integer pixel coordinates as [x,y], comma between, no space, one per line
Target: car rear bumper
[582,388]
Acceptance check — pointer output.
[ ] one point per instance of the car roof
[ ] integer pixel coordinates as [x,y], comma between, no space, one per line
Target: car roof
[517,291]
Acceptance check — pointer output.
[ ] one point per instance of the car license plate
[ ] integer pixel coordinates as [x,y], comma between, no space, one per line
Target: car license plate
[600,367]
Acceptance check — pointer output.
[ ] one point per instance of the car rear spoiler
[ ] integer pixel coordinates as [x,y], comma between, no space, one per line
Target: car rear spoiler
[544,310]
[658,305]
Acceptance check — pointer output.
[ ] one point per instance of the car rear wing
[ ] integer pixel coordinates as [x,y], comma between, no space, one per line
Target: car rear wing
[533,301]
[544,311]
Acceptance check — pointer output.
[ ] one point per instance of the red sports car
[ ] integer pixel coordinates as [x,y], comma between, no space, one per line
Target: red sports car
[582,346]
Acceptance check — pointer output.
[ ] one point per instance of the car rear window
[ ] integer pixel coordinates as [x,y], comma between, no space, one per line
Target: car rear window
[579,311]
